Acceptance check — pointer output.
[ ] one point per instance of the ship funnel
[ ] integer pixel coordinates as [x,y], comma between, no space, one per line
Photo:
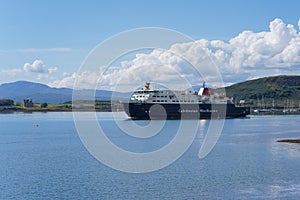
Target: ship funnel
[205,91]
[201,90]
[200,93]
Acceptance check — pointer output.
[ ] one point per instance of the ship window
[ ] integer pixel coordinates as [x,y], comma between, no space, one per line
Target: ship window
[173,101]
[158,100]
[153,101]
[165,100]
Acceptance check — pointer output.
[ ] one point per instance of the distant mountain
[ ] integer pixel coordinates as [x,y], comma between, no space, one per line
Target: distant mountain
[279,88]
[40,93]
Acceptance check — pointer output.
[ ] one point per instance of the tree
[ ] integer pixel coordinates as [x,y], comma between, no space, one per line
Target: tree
[6,102]
[44,105]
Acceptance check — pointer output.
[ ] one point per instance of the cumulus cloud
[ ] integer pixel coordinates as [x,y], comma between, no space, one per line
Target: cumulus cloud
[86,80]
[249,54]
[277,48]
[66,82]
[38,66]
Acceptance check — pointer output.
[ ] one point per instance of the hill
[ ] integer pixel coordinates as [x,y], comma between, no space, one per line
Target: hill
[20,90]
[282,89]
[40,93]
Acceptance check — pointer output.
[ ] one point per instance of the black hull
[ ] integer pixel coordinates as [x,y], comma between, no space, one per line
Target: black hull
[184,111]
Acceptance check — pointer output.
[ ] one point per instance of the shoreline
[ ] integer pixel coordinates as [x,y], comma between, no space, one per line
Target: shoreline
[89,109]
[6,111]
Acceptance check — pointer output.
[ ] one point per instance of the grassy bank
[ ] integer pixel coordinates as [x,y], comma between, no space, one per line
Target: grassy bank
[99,106]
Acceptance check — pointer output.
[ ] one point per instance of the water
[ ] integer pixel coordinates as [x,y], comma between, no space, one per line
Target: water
[42,157]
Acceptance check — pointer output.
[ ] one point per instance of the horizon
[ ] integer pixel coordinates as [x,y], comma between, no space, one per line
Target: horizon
[51,48]
[200,84]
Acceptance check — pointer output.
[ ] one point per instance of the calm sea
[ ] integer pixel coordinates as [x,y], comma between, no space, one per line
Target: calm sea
[42,157]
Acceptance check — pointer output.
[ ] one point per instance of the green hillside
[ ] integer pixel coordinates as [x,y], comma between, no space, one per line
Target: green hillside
[284,90]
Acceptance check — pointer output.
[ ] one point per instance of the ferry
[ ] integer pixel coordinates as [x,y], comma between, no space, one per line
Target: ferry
[146,103]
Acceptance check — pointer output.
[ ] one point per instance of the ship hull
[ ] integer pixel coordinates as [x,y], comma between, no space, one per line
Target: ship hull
[184,111]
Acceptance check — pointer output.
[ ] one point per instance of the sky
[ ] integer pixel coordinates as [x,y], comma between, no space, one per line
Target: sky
[48,41]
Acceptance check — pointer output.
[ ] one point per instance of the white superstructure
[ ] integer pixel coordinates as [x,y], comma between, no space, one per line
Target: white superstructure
[204,96]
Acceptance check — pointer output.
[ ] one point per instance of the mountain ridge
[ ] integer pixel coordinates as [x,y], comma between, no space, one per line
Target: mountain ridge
[39,93]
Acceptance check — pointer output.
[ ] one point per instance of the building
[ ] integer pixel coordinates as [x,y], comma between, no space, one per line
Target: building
[28,103]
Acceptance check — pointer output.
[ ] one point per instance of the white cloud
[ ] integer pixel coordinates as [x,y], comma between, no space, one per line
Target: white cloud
[67,81]
[263,49]
[52,70]
[249,54]
[10,72]
[85,80]
[38,66]
[65,74]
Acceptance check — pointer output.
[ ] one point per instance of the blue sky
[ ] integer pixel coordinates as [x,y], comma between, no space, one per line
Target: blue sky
[60,34]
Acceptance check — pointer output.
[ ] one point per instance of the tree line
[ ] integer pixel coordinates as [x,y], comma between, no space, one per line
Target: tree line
[9,102]
[6,102]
